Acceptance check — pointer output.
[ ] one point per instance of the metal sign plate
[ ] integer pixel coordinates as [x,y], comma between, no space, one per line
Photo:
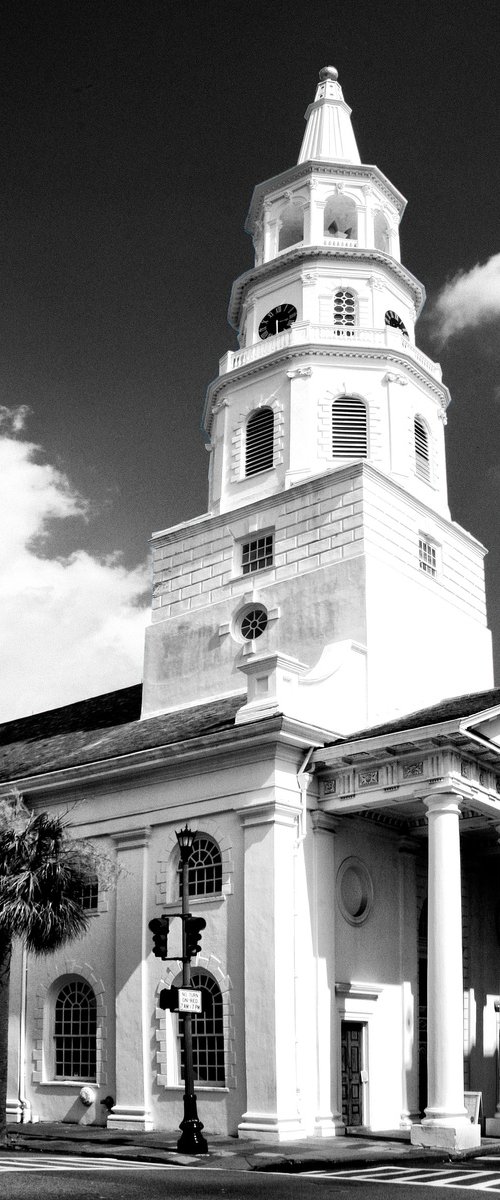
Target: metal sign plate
[189,1000]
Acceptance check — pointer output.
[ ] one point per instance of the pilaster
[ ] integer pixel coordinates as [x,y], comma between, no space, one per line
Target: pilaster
[269,832]
[328,1118]
[133,1004]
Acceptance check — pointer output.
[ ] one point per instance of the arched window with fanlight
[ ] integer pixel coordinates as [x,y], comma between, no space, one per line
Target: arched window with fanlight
[344,308]
[259,441]
[75,1031]
[204,867]
[421,445]
[349,428]
[207,1031]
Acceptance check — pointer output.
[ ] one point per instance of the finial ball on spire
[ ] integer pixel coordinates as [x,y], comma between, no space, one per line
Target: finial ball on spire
[329,73]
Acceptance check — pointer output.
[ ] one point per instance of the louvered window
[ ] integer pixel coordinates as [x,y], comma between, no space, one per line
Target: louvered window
[259,441]
[427,556]
[344,308]
[349,432]
[422,465]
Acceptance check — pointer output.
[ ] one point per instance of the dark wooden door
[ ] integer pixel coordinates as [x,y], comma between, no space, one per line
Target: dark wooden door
[352,1066]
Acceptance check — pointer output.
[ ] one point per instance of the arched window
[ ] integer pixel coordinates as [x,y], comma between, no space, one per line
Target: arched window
[344,307]
[259,451]
[204,867]
[422,463]
[349,428]
[341,218]
[207,1033]
[292,226]
[75,1030]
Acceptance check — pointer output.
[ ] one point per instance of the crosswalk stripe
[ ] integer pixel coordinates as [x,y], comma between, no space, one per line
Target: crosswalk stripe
[51,1162]
[442,1177]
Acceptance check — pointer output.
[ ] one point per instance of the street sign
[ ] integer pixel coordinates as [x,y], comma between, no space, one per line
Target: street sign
[189,1000]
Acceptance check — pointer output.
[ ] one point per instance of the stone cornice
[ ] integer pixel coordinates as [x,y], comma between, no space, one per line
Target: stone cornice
[357,172]
[352,471]
[401,781]
[383,355]
[276,266]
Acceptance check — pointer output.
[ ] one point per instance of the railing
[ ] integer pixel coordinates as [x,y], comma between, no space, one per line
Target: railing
[311,334]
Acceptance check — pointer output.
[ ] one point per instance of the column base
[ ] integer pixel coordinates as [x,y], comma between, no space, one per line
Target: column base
[492,1127]
[266,1127]
[462,1135]
[328,1127]
[129,1116]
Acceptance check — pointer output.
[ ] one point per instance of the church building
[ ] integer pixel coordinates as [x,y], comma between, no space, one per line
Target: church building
[318,706]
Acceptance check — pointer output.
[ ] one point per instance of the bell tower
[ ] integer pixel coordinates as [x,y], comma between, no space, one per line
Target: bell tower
[329,298]
[327,570]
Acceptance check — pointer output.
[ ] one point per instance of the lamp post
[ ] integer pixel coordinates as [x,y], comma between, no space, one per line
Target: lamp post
[191,1140]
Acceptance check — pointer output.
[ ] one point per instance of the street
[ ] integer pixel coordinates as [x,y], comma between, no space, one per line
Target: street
[35,1176]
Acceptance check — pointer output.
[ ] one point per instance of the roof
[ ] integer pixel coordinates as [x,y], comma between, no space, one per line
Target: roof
[101,729]
[446,710]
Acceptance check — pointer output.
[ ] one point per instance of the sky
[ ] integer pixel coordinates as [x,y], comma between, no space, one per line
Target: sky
[131,137]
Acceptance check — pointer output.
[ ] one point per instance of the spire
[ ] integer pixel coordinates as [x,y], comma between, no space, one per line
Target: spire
[329,134]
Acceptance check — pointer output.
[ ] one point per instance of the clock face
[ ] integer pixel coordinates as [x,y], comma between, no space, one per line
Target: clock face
[281,317]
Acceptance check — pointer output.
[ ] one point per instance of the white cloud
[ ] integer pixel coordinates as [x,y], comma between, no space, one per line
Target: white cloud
[472,298]
[72,626]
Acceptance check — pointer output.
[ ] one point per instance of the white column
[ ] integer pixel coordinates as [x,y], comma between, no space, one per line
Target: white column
[446,1124]
[134,1004]
[328,1117]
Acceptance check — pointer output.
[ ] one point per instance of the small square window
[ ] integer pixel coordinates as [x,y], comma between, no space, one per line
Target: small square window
[427,556]
[257,554]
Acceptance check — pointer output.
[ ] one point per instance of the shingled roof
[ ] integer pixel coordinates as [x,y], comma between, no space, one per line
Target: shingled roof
[102,728]
[453,708]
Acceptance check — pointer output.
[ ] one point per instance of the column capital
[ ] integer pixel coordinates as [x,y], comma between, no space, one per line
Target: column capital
[323,822]
[443,800]
[272,813]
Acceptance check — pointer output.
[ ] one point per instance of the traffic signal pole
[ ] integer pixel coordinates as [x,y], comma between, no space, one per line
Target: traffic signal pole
[191,1140]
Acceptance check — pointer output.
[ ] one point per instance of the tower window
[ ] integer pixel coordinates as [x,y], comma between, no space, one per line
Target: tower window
[75,1030]
[349,428]
[253,623]
[422,464]
[344,308]
[207,1033]
[204,868]
[257,554]
[427,556]
[292,226]
[341,218]
[259,441]
[395,322]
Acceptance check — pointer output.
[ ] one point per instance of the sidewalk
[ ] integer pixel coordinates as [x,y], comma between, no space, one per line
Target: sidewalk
[231,1153]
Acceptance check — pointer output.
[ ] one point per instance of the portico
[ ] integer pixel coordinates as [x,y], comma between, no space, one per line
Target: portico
[431,776]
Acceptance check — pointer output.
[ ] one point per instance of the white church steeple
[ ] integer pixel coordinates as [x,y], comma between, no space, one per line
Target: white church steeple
[328,303]
[327,574]
[329,134]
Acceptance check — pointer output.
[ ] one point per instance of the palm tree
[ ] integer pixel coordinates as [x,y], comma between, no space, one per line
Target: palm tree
[42,872]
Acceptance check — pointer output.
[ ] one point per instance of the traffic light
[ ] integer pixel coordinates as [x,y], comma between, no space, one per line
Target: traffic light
[159,927]
[192,929]
[169,999]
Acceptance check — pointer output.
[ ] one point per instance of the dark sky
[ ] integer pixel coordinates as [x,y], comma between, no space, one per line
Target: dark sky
[131,137]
